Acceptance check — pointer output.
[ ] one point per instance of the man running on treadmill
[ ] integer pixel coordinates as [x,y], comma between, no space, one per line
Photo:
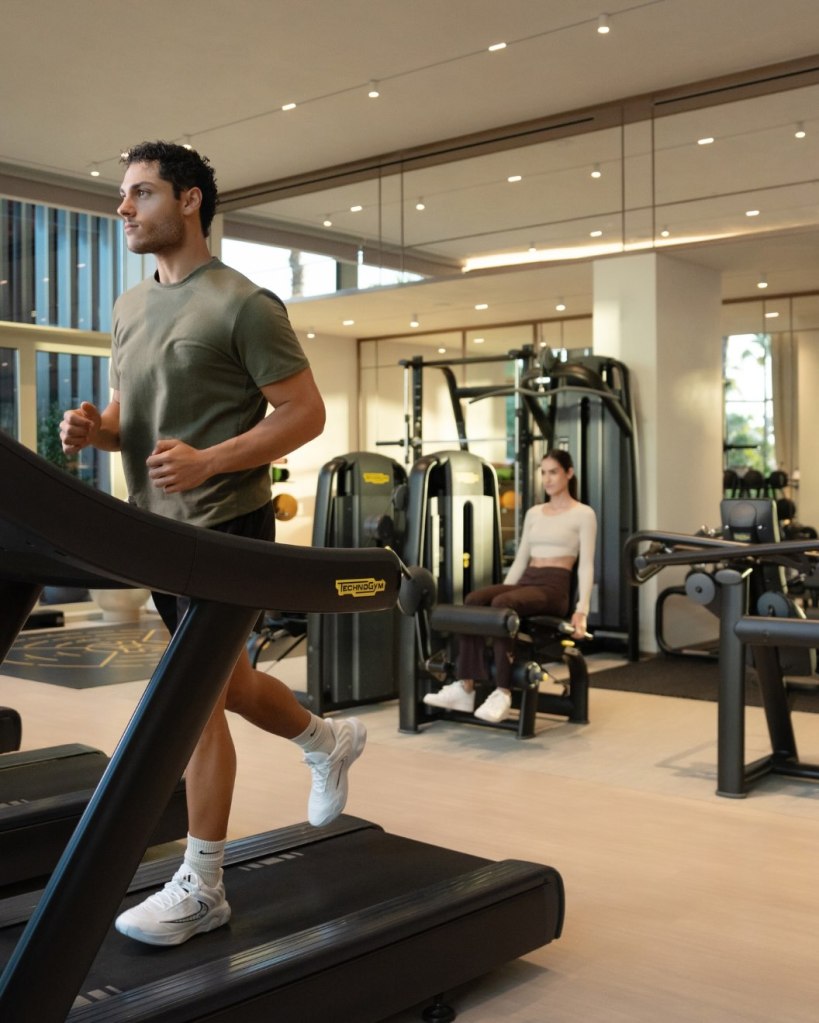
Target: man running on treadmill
[198,354]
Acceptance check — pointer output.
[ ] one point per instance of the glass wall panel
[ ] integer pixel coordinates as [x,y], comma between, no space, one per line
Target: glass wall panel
[605,183]
[742,318]
[749,433]
[9,392]
[64,380]
[806,312]
[59,268]
[738,168]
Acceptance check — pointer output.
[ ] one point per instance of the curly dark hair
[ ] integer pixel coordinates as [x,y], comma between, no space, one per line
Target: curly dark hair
[183,168]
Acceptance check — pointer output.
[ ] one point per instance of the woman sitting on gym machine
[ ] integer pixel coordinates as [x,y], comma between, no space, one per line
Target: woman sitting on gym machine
[556,535]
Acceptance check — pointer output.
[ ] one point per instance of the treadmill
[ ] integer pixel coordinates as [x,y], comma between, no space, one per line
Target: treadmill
[344,923]
[43,793]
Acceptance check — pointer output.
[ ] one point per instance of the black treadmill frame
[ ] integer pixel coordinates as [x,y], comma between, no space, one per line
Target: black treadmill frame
[361,966]
[54,529]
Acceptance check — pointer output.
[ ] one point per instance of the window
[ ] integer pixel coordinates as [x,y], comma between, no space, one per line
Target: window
[63,381]
[59,268]
[8,391]
[748,433]
[292,273]
[288,273]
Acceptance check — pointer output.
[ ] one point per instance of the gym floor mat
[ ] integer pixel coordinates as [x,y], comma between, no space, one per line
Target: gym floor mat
[694,678]
[83,658]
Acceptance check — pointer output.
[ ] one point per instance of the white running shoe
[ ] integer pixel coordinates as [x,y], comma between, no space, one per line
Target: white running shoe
[328,794]
[185,906]
[496,707]
[452,697]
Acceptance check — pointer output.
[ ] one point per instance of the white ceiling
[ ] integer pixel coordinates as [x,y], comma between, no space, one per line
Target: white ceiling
[83,80]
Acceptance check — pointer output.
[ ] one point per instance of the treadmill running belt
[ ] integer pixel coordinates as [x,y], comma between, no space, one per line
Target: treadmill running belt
[326,911]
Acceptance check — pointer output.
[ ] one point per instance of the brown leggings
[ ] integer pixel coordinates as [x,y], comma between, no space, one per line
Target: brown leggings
[544,591]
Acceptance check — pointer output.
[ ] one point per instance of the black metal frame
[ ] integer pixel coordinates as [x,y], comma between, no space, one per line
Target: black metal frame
[538,640]
[543,383]
[466,526]
[736,562]
[54,529]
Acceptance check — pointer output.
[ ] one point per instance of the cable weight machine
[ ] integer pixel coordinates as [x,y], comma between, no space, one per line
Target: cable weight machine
[572,400]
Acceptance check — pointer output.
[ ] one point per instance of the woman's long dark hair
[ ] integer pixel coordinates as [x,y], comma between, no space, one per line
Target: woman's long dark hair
[564,460]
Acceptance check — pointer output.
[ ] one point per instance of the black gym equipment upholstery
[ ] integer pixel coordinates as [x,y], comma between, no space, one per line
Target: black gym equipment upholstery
[430,927]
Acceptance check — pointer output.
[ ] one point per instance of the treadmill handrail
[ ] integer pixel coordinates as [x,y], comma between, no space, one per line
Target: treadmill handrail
[53,527]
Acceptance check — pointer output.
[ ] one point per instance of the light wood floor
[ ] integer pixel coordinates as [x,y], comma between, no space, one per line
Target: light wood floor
[681,906]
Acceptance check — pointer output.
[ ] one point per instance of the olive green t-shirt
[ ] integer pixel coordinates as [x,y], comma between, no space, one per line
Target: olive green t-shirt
[188,360]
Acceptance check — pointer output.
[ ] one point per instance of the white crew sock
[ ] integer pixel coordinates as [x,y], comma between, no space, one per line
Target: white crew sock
[317,737]
[206,858]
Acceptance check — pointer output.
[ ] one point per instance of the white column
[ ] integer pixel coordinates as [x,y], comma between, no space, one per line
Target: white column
[660,316]
[807,495]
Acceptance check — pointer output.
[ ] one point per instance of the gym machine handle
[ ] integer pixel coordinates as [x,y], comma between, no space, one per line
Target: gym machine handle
[665,549]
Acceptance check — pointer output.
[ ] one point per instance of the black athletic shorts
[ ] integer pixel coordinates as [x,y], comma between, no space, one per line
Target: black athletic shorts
[257,525]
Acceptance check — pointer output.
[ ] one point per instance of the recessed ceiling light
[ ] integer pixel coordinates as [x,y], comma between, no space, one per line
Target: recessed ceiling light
[772,315]
[595,234]
[414,321]
[596,172]
[800,132]
[705,141]
[482,305]
[289,106]
[420,205]
[513,178]
[561,306]
[762,282]
[373,91]
[356,209]
[311,333]
[479,340]
[442,351]
[327,221]
[497,46]
[603,26]
[95,171]
[347,323]
[665,233]
[752,213]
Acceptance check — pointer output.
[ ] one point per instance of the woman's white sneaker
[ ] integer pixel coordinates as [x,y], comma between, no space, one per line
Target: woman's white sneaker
[496,707]
[452,697]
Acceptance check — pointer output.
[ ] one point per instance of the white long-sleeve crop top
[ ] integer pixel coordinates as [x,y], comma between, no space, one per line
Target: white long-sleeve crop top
[568,534]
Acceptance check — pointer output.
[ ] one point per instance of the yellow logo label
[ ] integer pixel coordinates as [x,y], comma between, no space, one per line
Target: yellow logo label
[360,587]
[376,477]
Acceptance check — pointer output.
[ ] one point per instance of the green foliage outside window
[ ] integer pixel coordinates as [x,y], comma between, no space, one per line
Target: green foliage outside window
[748,431]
